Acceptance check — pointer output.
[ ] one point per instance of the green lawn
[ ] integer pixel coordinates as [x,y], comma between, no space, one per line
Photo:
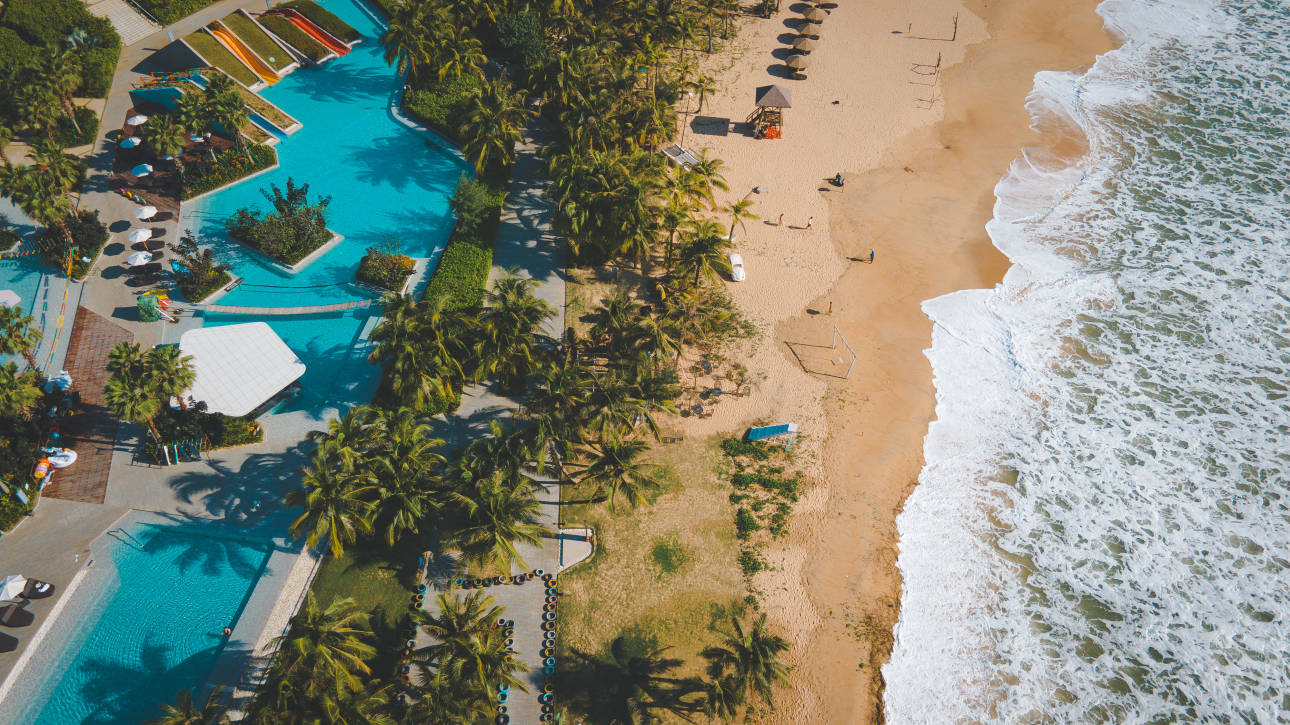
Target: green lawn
[380,581]
[251,34]
[295,37]
[324,19]
[217,55]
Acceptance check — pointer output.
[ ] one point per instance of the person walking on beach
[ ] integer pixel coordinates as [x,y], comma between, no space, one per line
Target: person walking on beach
[781,221]
[870,256]
[810,221]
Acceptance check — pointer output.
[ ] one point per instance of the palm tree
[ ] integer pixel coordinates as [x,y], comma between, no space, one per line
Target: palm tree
[752,655]
[612,318]
[192,114]
[166,136]
[457,51]
[37,107]
[326,650]
[335,506]
[493,124]
[705,257]
[130,398]
[739,212]
[708,172]
[60,72]
[19,393]
[468,648]
[509,336]
[367,706]
[702,86]
[126,358]
[617,468]
[185,711]
[17,336]
[229,111]
[496,517]
[170,372]
[403,468]
[348,438]
[405,37]
[420,345]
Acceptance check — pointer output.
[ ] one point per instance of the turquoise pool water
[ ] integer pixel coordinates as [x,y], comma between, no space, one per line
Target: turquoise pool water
[158,631]
[388,183]
[23,275]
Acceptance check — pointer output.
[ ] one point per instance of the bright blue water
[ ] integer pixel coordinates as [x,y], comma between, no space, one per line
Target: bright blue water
[23,275]
[388,184]
[267,125]
[160,630]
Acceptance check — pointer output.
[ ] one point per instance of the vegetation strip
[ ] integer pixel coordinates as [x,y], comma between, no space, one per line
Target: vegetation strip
[217,55]
[251,34]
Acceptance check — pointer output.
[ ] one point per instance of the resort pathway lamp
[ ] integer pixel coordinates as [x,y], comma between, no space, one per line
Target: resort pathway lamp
[146,212]
[141,170]
[140,235]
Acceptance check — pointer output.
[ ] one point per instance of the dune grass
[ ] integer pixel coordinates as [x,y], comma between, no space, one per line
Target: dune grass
[256,39]
[217,55]
[669,574]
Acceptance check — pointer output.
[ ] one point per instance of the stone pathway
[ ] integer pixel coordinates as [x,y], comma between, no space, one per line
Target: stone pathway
[129,23]
[91,432]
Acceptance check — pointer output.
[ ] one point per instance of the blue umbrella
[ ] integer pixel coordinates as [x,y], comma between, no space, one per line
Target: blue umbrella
[141,170]
[131,142]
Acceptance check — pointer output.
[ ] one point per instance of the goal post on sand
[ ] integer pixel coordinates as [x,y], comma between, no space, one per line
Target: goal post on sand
[843,359]
[834,360]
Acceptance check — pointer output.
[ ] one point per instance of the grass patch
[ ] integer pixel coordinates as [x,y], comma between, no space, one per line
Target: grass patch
[324,19]
[266,109]
[255,38]
[217,55]
[66,134]
[380,581]
[168,11]
[687,530]
[295,37]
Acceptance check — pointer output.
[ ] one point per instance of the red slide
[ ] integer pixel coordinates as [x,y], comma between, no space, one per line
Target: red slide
[315,32]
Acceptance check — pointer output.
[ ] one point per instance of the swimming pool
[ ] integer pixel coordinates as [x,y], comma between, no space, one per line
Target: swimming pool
[389,185]
[157,600]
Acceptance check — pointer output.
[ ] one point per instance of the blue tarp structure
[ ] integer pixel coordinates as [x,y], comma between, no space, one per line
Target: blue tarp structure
[787,431]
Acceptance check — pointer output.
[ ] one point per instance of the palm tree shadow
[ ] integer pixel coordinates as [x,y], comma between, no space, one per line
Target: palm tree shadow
[413,165]
[249,493]
[630,681]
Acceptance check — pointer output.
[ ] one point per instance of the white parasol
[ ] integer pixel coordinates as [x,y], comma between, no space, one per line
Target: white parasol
[146,212]
[140,235]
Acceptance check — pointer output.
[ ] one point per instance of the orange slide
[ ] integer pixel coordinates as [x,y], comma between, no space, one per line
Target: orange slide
[243,53]
[315,32]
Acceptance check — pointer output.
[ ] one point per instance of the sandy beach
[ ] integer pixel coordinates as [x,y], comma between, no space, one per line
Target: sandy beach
[922,109]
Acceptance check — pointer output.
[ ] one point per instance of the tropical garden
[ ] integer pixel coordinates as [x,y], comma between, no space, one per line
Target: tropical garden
[292,231]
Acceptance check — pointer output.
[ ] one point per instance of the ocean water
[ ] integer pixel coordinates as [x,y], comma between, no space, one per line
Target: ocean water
[1101,532]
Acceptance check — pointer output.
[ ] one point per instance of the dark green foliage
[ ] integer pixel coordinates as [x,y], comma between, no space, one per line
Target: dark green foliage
[735,448]
[440,105]
[521,40]
[461,276]
[168,11]
[214,429]
[295,37]
[97,66]
[87,232]
[750,563]
[745,523]
[477,208]
[66,135]
[31,24]
[228,166]
[14,51]
[669,555]
[202,275]
[385,269]
[19,443]
[12,511]
[324,19]
[290,232]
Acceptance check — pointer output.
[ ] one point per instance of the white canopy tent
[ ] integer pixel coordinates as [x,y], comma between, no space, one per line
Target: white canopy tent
[239,367]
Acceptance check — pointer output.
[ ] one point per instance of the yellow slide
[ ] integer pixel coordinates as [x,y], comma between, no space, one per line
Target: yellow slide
[243,53]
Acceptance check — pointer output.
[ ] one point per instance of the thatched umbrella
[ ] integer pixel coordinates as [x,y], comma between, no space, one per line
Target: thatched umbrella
[815,15]
[804,44]
[809,30]
[799,62]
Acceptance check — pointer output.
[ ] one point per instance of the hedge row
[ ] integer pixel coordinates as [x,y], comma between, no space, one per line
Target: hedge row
[168,11]
[461,276]
[440,106]
[324,19]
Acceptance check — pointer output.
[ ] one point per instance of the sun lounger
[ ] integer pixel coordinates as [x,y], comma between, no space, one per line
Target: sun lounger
[13,615]
[37,589]
[7,643]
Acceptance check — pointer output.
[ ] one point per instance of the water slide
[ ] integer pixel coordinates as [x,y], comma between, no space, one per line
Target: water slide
[243,53]
[313,31]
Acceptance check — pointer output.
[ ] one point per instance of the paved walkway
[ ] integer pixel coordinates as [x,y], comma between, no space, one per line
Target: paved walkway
[91,432]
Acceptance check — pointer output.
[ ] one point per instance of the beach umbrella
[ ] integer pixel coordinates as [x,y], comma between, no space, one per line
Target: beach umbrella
[815,15]
[804,44]
[146,212]
[9,298]
[138,259]
[809,30]
[140,235]
[130,142]
[137,119]
[141,170]
[12,585]
[799,62]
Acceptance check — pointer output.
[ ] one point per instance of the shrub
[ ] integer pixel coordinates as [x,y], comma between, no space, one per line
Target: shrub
[440,105]
[477,208]
[385,269]
[66,135]
[750,562]
[47,22]
[745,523]
[461,276]
[229,166]
[215,430]
[87,232]
[324,19]
[290,232]
[97,67]
[14,51]
[168,11]
[295,37]
[736,448]
[520,37]
[12,511]
[201,274]
[669,555]
[19,445]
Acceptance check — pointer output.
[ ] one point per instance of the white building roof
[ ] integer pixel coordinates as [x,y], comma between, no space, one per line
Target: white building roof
[239,366]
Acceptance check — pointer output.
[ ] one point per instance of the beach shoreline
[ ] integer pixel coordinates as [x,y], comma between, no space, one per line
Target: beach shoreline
[921,163]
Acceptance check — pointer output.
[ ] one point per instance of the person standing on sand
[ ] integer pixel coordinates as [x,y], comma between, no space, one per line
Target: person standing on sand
[870,256]
[810,221]
[781,221]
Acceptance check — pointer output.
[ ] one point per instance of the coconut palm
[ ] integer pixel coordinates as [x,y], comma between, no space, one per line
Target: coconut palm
[467,647]
[347,438]
[191,113]
[494,119]
[751,652]
[170,372]
[37,107]
[127,359]
[166,136]
[367,706]
[17,336]
[509,324]
[420,345]
[406,36]
[705,257]
[702,86]
[231,114]
[19,392]
[444,699]
[325,653]
[54,167]
[612,318]
[740,211]
[495,517]
[708,172]
[186,712]
[404,472]
[60,71]
[617,468]
[335,506]
[457,51]
[131,398]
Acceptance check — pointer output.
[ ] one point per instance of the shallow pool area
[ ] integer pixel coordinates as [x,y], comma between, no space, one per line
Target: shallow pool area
[389,185]
[148,617]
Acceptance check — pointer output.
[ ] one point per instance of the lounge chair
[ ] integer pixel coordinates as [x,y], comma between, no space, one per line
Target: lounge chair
[13,615]
[7,643]
[37,589]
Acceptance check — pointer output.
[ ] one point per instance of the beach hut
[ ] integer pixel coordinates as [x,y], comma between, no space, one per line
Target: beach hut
[767,119]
